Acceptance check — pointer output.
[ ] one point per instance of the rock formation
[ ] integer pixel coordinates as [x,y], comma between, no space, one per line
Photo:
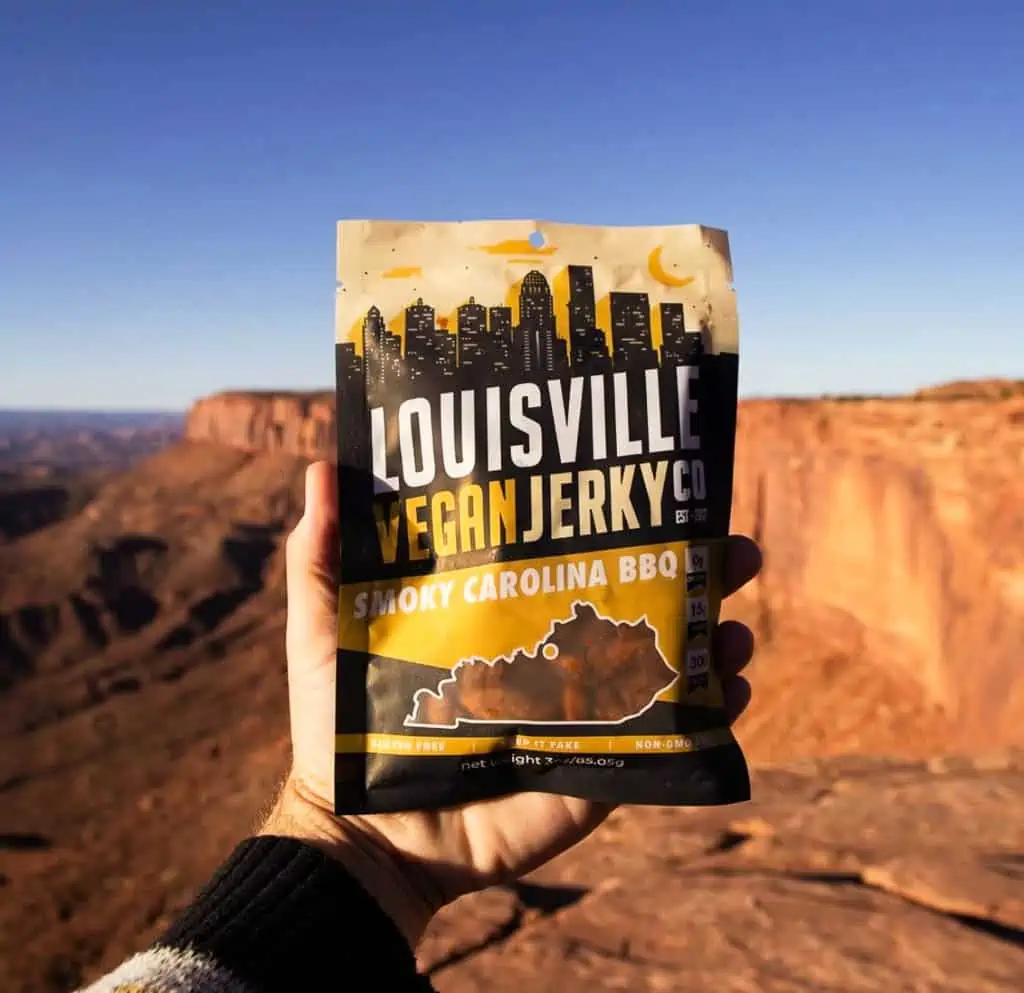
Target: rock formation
[293,423]
[843,875]
[892,525]
[896,525]
[143,711]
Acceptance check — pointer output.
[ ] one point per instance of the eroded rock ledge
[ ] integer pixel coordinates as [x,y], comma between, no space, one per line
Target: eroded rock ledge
[294,423]
[890,524]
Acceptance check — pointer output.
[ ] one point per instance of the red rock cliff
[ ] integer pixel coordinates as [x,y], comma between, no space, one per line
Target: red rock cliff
[897,527]
[297,423]
[892,529]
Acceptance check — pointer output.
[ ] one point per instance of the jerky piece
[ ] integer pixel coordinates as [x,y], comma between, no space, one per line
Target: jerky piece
[441,711]
[589,669]
[525,688]
[617,663]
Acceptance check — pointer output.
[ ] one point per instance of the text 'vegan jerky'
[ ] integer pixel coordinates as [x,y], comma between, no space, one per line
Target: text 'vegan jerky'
[535,456]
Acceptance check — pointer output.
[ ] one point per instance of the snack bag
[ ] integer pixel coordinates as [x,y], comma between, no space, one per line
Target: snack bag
[535,455]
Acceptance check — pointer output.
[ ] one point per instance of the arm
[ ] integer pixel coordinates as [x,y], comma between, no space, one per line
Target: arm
[276,917]
[312,893]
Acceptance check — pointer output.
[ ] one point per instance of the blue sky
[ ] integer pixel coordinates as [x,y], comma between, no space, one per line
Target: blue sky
[171,174]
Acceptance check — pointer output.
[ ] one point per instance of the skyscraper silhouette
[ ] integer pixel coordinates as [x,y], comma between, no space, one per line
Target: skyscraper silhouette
[349,368]
[472,328]
[484,346]
[561,356]
[382,352]
[587,344]
[582,310]
[499,342]
[391,358]
[631,331]
[350,384]
[536,329]
[445,350]
[420,357]
[501,323]
[678,346]
[673,326]
[373,348]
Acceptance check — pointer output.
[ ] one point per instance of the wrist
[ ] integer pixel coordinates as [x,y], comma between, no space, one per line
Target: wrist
[399,885]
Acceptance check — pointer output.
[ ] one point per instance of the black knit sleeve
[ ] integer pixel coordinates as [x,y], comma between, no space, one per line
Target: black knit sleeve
[280,916]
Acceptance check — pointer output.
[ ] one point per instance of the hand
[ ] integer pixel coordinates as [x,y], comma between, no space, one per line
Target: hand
[414,862]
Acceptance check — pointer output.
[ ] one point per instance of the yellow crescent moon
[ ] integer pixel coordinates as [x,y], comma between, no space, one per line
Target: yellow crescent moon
[658,272]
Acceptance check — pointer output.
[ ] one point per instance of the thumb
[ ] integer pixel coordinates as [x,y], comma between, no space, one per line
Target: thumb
[311,562]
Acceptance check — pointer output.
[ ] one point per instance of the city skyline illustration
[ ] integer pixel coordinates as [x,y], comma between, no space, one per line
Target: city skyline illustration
[520,336]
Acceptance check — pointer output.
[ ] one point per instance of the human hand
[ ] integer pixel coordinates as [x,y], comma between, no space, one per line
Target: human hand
[415,862]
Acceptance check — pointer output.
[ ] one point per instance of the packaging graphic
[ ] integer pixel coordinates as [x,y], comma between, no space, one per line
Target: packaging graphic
[536,425]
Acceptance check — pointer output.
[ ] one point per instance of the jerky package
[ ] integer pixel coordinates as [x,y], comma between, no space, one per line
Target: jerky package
[535,457]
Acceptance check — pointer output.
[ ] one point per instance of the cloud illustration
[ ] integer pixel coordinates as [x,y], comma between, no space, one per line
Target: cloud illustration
[516,246]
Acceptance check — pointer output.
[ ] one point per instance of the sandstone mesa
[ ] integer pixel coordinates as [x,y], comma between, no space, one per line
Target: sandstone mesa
[141,675]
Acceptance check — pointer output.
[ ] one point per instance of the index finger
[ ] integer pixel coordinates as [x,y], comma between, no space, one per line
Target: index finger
[742,563]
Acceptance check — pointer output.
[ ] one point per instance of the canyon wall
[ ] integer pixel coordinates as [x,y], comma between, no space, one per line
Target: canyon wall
[293,423]
[892,530]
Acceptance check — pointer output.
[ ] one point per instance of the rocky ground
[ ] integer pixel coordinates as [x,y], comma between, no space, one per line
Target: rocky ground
[143,723]
[842,874]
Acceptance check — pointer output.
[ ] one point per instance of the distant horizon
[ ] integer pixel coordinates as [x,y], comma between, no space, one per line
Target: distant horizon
[93,410]
[98,411]
[181,412]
